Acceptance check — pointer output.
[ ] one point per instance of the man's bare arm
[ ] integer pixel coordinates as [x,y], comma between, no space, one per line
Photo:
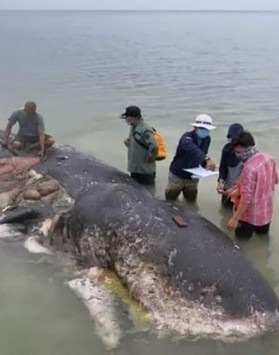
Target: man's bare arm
[7,133]
[42,144]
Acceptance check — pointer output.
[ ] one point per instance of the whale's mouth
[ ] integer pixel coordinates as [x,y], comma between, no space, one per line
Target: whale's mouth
[28,195]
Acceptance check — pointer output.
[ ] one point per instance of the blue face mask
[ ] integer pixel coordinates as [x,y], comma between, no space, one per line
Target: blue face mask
[202,132]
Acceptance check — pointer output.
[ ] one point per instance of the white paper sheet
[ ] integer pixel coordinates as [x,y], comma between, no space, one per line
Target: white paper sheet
[201,172]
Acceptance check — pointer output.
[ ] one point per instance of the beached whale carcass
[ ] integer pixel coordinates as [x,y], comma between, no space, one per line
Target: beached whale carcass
[193,280]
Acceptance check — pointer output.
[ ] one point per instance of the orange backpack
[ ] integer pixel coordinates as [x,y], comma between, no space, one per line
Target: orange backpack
[161,144]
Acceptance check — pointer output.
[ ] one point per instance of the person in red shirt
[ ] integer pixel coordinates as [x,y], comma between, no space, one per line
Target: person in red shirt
[257,185]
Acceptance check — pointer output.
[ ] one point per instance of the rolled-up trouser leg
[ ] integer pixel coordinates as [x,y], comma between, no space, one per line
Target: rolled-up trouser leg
[174,187]
[190,189]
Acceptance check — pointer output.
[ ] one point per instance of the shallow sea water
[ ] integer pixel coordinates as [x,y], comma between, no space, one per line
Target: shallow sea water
[83,69]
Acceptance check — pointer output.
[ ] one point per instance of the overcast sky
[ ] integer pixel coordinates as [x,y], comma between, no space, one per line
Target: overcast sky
[142,4]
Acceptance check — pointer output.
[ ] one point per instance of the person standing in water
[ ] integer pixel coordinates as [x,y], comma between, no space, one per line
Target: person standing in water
[142,147]
[230,166]
[257,183]
[191,152]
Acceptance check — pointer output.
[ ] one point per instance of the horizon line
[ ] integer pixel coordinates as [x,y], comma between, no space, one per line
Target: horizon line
[150,10]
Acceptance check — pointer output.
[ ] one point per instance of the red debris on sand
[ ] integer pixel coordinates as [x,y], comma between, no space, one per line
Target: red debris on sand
[12,173]
[16,165]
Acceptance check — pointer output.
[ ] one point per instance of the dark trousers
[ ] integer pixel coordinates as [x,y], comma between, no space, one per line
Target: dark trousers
[246,230]
[30,139]
[145,179]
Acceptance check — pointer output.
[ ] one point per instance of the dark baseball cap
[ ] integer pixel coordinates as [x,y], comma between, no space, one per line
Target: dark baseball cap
[131,111]
[234,130]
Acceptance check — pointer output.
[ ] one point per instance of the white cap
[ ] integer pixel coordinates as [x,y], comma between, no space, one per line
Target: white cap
[204,121]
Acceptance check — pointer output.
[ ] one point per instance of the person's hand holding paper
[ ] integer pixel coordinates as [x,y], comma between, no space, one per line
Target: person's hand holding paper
[210,165]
